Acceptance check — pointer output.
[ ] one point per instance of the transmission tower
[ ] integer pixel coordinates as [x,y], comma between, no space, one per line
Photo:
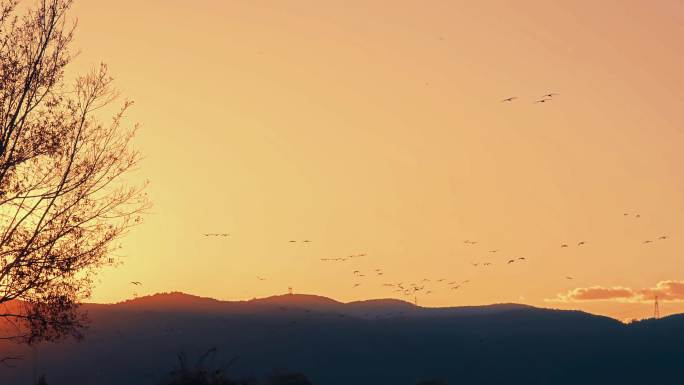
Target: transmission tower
[656,309]
[289,290]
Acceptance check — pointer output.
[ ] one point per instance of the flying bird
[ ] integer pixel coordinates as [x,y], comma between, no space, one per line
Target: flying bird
[568,277]
[136,283]
[261,278]
[648,241]
[564,245]
[511,260]
[512,98]
[581,243]
[550,95]
[663,237]
[543,100]
[493,251]
[521,258]
[356,285]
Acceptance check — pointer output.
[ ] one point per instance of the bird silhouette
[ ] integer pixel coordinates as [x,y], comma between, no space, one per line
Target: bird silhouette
[568,277]
[648,241]
[511,260]
[356,285]
[662,237]
[261,278]
[543,100]
[549,95]
[581,243]
[493,251]
[137,283]
[564,245]
[512,98]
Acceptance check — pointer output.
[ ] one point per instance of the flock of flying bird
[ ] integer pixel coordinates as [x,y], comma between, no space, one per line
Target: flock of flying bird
[421,286]
[425,285]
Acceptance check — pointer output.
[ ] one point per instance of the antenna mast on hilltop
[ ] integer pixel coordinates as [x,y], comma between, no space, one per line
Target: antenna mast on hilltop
[656,309]
[289,290]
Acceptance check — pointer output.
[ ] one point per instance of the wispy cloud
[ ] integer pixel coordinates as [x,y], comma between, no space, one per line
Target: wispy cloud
[665,290]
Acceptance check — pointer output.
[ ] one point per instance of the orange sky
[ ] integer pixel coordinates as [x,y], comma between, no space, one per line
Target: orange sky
[375,127]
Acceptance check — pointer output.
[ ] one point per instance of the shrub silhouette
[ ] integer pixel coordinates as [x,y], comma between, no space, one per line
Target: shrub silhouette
[432,382]
[282,377]
[200,374]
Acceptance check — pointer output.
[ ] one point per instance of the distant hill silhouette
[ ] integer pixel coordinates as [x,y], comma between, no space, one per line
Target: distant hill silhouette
[366,342]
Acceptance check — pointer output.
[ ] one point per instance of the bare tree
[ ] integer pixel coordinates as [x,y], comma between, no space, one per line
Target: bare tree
[63,201]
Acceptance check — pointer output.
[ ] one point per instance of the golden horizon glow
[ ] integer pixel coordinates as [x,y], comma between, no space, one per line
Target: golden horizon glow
[377,127]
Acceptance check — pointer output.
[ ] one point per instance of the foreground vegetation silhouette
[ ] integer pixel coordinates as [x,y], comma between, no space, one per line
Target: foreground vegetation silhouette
[202,374]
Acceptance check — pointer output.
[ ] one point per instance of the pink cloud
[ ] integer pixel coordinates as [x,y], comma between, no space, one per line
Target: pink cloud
[670,290]
[596,293]
[665,290]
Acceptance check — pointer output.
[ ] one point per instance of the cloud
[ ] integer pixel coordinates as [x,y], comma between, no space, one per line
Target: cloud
[595,293]
[665,290]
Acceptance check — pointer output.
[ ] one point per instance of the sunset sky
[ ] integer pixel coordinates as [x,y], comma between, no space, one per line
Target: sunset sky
[376,127]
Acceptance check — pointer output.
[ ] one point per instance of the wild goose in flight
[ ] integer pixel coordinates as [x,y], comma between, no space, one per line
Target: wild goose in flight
[512,98]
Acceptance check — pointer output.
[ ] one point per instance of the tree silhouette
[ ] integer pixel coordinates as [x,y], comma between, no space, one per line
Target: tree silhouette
[62,200]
